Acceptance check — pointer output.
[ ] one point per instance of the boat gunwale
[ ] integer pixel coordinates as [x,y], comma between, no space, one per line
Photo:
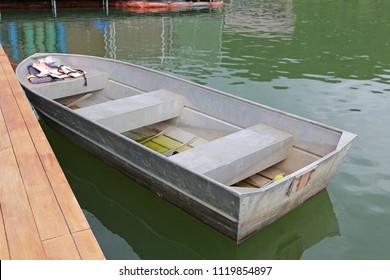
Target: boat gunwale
[216,91]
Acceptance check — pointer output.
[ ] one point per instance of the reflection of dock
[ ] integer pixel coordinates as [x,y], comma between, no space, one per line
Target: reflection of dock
[124,36]
[26,38]
[39,215]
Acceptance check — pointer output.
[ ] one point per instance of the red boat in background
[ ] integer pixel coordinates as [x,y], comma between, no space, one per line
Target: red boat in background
[134,5]
[168,4]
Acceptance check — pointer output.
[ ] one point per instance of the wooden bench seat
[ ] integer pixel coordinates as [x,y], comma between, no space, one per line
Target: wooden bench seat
[96,80]
[238,155]
[135,111]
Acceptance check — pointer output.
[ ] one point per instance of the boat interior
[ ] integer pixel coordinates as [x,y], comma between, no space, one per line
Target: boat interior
[165,122]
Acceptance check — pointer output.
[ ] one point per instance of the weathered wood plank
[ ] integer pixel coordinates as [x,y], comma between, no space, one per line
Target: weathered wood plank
[38,210]
[64,194]
[48,216]
[61,248]
[87,245]
[4,252]
[20,228]
[5,89]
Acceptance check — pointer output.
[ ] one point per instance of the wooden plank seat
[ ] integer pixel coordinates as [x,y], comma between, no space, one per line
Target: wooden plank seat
[234,157]
[96,80]
[135,111]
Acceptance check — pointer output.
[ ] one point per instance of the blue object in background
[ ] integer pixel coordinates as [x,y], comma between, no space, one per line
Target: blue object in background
[13,40]
[62,46]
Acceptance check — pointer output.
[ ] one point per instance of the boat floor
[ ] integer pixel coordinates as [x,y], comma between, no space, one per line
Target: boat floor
[82,100]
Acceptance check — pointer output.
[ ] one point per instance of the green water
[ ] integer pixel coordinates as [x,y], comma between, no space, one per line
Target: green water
[327,60]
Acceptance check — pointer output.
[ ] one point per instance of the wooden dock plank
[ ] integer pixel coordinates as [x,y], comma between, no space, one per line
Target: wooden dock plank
[61,248]
[4,251]
[47,213]
[65,197]
[5,89]
[86,247]
[39,216]
[19,223]
[4,145]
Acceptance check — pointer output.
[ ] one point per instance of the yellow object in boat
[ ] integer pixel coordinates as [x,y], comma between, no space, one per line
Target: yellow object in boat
[278,177]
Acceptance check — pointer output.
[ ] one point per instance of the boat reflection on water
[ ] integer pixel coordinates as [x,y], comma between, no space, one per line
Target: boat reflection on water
[130,222]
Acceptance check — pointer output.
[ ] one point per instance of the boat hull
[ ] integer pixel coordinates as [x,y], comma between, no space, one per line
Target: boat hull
[133,161]
[236,213]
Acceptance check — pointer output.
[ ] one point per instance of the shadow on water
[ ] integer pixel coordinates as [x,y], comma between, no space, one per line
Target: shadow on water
[130,222]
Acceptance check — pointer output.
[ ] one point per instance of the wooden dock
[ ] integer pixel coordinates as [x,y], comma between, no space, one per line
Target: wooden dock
[40,217]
